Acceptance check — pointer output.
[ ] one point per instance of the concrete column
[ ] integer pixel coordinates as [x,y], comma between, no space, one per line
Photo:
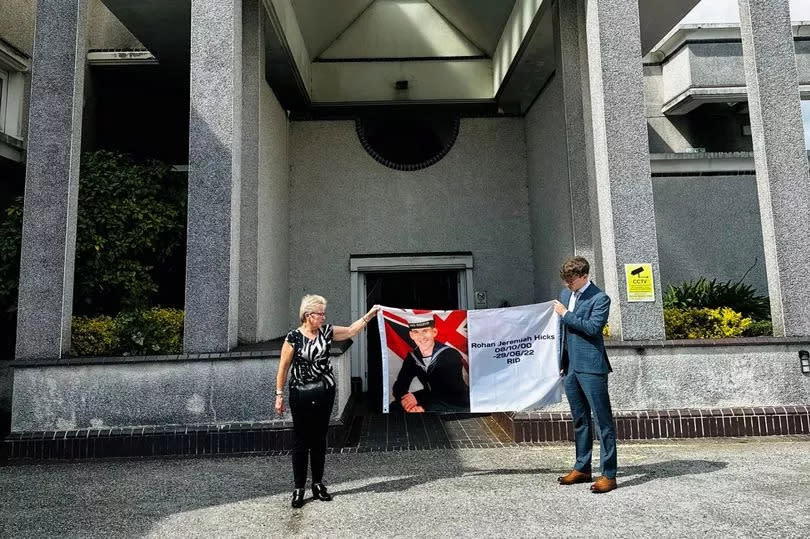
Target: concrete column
[585,82]
[571,63]
[212,264]
[783,180]
[52,180]
[252,77]
[622,162]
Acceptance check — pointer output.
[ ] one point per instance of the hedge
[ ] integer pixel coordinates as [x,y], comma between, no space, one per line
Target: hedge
[154,331]
[704,323]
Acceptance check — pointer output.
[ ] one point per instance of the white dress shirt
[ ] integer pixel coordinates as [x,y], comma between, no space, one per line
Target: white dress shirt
[572,301]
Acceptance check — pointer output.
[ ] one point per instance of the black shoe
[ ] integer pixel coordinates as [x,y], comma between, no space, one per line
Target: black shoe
[298,498]
[319,492]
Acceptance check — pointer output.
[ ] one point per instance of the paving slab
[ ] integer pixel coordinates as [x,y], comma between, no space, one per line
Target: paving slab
[752,487]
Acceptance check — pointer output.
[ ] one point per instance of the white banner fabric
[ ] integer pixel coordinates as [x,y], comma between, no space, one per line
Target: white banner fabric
[489,360]
[513,358]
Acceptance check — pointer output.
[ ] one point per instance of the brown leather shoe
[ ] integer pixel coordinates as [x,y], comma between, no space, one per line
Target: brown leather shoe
[603,484]
[574,477]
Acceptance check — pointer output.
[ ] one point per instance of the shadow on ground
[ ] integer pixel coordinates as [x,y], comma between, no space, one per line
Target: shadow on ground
[645,473]
[131,497]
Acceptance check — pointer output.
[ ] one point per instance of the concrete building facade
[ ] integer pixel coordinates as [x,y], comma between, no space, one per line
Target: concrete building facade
[595,127]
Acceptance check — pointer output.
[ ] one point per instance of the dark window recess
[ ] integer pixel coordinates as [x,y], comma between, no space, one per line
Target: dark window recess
[408,140]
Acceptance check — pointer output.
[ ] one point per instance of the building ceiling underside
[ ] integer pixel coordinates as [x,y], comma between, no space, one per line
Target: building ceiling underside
[325,24]
[359,49]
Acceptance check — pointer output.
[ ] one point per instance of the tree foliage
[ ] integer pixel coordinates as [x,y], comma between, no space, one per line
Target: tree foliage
[10,235]
[130,233]
[131,221]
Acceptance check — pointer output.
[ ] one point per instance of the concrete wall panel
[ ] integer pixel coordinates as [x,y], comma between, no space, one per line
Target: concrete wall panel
[344,202]
[274,232]
[105,31]
[658,378]
[219,391]
[716,64]
[708,226]
[549,194]
[17,24]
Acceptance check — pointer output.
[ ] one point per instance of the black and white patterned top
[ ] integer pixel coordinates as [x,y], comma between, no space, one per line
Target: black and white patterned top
[311,357]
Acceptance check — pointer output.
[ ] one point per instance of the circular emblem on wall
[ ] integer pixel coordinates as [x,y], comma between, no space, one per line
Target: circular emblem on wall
[407,140]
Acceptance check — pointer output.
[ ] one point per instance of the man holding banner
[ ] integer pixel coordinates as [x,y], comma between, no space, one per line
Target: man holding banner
[583,309]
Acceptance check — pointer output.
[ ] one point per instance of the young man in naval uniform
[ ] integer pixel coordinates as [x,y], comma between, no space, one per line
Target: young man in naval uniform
[438,367]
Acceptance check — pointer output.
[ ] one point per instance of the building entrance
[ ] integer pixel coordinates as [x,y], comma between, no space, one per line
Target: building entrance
[435,290]
[430,280]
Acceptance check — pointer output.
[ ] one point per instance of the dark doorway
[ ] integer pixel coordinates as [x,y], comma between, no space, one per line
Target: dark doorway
[435,290]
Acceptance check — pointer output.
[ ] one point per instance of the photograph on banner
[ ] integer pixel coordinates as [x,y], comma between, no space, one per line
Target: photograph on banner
[424,360]
[484,360]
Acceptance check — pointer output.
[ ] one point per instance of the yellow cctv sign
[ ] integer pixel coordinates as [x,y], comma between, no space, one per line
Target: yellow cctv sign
[639,279]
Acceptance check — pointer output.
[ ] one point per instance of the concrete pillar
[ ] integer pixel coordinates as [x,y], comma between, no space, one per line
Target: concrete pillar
[571,64]
[212,264]
[252,77]
[622,162]
[52,180]
[783,180]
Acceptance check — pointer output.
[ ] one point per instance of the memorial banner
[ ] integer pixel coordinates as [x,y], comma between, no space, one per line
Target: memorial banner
[488,360]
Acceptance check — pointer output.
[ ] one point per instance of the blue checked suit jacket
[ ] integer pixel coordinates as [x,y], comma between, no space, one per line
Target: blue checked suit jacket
[581,332]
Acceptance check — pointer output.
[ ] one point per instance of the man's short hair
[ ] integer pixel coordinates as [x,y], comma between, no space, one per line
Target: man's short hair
[574,267]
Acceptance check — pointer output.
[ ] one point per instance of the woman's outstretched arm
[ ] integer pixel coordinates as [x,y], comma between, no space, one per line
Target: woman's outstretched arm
[341,333]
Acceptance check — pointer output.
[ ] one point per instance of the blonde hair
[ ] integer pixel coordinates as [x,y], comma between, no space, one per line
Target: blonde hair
[308,303]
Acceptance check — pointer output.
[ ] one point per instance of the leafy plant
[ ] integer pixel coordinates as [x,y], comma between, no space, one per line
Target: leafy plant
[704,323]
[702,294]
[94,336]
[131,220]
[10,241]
[759,328]
[129,243]
[154,331]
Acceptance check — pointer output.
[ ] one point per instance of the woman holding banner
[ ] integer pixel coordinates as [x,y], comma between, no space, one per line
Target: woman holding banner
[312,389]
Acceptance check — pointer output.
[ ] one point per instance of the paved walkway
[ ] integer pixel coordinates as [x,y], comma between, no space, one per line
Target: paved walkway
[718,488]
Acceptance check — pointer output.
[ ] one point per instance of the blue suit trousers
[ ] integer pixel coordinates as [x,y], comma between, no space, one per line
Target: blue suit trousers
[586,392]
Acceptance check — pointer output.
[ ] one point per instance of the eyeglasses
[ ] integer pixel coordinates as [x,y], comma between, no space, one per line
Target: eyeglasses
[321,314]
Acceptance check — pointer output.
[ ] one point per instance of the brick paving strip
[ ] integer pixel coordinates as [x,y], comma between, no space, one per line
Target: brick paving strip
[372,432]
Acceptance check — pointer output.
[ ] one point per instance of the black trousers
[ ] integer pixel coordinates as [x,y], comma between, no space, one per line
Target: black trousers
[310,425]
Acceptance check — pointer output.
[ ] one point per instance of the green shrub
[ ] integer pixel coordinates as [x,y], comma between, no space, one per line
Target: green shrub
[155,331]
[93,336]
[759,328]
[704,323]
[702,294]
